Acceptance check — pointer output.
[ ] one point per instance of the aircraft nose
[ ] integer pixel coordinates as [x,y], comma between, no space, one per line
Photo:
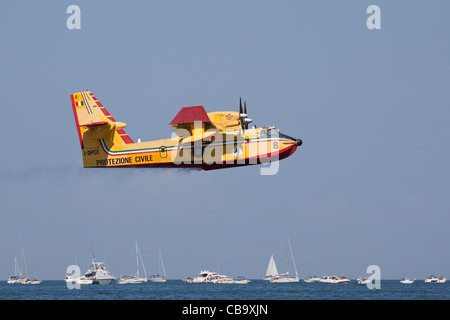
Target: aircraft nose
[299,142]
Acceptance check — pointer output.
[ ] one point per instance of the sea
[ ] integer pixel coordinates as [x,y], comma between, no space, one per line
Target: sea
[253,291]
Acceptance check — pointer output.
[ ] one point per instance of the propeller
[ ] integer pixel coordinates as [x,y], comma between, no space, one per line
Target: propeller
[243,116]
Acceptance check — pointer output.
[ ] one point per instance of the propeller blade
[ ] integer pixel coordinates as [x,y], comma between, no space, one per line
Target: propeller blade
[245,111]
[241,119]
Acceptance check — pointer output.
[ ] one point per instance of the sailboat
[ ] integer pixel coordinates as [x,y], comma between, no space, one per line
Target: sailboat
[271,269]
[18,277]
[158,277]
[136,278]
[284,277]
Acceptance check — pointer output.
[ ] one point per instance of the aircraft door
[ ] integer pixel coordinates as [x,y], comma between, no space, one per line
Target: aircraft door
[163,152]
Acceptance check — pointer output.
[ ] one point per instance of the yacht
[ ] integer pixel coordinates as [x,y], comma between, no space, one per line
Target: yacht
[220,278]
[407,281]
[434,279]
[284,277]
[158,277]
[18,271]
[206,276]
[17,277]
[362,280]
[79,280]
[335,279]
[97,274]
[14,280]
[241,280]
[135,278]
[31,281]
[131,280]
[312,279]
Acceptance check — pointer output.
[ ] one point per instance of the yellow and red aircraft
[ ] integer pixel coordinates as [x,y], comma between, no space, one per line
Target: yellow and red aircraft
[204,140]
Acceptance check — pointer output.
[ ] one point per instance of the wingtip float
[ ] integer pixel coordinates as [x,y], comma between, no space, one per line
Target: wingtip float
[203,140]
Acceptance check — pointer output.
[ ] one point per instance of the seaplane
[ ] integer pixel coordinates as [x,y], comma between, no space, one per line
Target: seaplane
[202,140]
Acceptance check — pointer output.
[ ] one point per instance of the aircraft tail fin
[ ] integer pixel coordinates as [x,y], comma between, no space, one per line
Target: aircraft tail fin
[94,122]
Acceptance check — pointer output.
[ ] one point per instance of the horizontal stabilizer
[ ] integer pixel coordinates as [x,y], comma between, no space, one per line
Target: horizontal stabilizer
[93,119]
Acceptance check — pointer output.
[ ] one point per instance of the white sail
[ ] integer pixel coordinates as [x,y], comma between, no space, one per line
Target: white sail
[271,268]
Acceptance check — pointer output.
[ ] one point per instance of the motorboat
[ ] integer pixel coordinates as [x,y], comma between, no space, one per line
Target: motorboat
[31,281]
[220,278]
[407,281]
[77,280]
[97,273]
[241,280]
[334,279]
[206,276]
[312,279]
[435,279]
[362,280]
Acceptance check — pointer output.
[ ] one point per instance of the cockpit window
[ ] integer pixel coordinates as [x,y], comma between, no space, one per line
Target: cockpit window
[262,133]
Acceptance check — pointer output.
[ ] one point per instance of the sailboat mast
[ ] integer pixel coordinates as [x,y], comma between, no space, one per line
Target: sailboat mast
[292,255]
[139,256]
[23,258]
[137,260]
[161,262]
[17,271]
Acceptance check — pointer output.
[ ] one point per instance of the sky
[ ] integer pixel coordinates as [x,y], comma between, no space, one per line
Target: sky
[369,186]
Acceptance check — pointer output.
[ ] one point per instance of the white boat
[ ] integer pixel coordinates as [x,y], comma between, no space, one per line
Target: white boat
[206,276]
[135,278]
[334,279]
[17,277]
[407,280]
[362,280]
[312,279]
[188,279]
[31,281]
[284,277]
[158,277]
[18,270]
[241,280]
[77,280]
[271,269]
[220,278]
[97,273]
[202,277]
[435,279]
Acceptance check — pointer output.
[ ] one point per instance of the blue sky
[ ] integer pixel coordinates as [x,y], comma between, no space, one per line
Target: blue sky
[369,185]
